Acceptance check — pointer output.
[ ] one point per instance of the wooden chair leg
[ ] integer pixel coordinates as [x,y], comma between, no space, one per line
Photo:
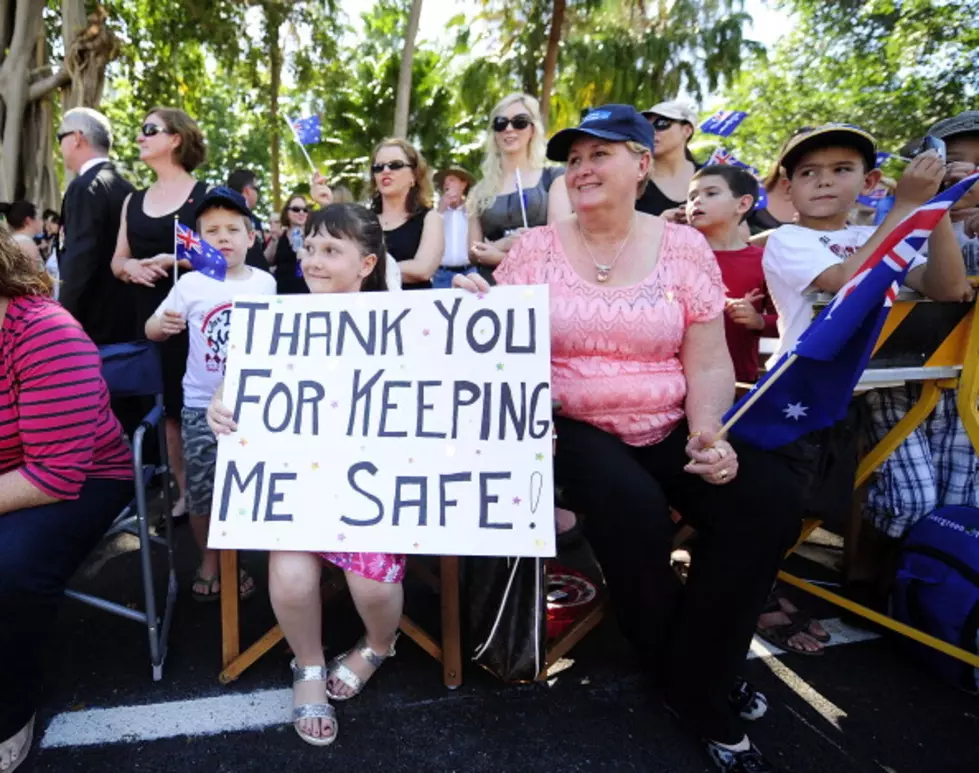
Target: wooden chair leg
[230,633]
[451,622]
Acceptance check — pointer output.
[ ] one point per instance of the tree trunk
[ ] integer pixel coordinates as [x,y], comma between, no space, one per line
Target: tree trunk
[403,103]
[550,59]
[14,73]
[89,45]
[273,21]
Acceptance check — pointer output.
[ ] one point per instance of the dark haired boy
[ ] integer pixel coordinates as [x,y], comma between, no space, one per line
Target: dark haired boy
[203,305]
[719,200]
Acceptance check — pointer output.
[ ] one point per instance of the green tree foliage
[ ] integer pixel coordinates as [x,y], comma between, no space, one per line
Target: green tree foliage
[891,66]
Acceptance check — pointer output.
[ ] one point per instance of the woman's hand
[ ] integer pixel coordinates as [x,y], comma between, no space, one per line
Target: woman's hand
[713,460]
[143,272]
[474,283]
[677,215]
[485,253]
[319,190]
[220,417]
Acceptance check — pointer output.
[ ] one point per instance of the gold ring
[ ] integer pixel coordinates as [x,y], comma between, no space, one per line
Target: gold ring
[722,474]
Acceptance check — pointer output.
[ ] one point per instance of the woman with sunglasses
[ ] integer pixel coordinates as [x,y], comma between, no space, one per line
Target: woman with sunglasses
[516,141]
[288,277]
[673,163]
[401,195]
[172,146]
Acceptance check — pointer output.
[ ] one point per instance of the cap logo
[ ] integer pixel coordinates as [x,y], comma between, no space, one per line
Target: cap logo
[597,115]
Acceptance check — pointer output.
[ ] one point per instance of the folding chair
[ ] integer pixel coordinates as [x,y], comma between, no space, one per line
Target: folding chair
[135,370]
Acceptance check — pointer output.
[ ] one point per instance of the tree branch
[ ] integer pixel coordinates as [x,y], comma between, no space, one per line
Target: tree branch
[45,86]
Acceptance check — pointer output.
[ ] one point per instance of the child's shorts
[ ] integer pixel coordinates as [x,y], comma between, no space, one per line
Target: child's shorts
[200,460]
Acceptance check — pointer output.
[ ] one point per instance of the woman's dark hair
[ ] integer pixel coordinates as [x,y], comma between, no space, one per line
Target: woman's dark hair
[17,213]
[284,215]
[192,150]
[356,224]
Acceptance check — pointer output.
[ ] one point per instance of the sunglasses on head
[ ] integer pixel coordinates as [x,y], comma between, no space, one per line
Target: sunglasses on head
[152,129]
[518,122]
[661,124]
[394,166]
[299,210]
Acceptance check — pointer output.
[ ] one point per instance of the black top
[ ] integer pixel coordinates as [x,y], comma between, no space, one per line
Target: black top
[91,211]
[403,242]
[151,236]
[762,220]
[654,202]
[288,277]
[256,253]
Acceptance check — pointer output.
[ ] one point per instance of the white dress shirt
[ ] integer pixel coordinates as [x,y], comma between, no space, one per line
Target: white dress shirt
[90,163]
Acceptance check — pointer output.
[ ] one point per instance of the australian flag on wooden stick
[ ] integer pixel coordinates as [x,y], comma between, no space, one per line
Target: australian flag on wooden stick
[202,256]
[811,386]
[309,131]
[723,122]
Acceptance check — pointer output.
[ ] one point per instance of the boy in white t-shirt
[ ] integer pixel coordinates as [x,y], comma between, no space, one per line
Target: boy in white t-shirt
[827,168]
[203,305]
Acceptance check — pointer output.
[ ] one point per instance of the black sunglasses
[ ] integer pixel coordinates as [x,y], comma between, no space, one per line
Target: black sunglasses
[518,122]
[394,166]
[61,135]
[661,124]
[297,210]
[152,129]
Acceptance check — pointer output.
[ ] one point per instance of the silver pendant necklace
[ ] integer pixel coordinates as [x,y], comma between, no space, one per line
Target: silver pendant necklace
[604,270]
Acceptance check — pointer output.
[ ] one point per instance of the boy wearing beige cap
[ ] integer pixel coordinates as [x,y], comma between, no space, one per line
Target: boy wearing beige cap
[673,164]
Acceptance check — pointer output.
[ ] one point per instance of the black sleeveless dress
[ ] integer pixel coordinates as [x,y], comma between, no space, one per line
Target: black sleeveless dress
[403,242]
[148,237]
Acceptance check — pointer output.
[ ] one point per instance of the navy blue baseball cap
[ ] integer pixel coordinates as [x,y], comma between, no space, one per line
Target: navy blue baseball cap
[615,123]
[226,198]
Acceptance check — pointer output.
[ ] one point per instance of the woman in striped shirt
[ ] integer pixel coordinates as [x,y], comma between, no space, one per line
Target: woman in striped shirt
[65,473]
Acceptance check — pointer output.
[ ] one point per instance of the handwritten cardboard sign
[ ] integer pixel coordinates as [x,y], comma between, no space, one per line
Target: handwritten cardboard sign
[413,422]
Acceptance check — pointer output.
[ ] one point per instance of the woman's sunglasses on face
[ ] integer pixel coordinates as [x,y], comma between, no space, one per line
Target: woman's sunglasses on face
[152,129]
[394,166]
[518,122]
[299,210]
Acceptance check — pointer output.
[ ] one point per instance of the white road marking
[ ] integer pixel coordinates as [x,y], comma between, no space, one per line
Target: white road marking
[235,712]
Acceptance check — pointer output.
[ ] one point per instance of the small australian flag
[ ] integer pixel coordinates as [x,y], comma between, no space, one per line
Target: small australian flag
[309,131]
[202,256]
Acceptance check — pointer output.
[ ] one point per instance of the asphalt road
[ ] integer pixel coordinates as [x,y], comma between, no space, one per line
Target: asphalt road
[860,707]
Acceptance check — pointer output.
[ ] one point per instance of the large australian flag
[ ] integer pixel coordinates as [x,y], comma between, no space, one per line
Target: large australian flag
[202,256]
[811,386]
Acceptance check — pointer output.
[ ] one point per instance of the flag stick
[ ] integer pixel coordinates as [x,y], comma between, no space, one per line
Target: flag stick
[523,206]
[754,397]
[175,291]
[302,147]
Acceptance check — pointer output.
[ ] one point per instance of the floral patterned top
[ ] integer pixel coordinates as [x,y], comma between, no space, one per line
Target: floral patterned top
[615,350]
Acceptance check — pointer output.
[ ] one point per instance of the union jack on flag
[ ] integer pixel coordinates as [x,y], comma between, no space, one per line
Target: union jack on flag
[202,256]
[830,356]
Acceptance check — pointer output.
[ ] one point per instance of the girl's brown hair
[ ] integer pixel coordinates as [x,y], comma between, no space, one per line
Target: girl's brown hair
[420,196]
[20,274]
[284,216]
[192,150]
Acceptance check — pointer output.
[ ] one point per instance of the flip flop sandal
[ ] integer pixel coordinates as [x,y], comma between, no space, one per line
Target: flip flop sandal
[215,595]
[780,633]
[312,710]
[805,620]
[341,671]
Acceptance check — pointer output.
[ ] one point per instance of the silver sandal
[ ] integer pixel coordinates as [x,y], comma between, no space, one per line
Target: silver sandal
[312,710]
[341,671]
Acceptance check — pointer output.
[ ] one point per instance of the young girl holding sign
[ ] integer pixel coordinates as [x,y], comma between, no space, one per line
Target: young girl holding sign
[344,249]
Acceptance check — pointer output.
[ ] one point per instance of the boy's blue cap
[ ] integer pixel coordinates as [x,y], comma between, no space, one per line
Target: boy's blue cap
[222,196]
[615,123]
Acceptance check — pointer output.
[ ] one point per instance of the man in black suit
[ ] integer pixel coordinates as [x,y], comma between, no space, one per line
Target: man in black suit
[90,213]
[246,183]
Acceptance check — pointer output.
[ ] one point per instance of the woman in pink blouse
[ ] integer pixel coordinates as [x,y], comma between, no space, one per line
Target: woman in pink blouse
[643,375]
[65,473]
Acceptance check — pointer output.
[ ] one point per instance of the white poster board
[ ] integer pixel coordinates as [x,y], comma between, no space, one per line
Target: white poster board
[399,422]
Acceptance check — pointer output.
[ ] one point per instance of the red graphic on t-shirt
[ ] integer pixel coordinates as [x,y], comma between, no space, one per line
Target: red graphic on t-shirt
[216,329]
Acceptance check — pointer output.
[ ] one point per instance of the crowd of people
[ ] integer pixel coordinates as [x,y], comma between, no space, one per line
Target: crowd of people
[664,275]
